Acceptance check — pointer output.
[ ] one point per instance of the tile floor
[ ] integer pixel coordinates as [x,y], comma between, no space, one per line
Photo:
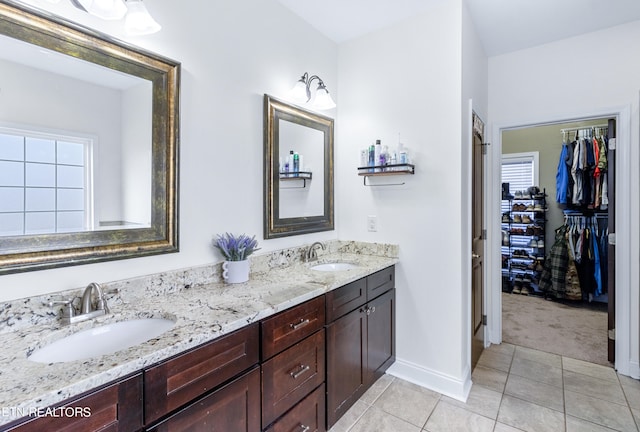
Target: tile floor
[515,389]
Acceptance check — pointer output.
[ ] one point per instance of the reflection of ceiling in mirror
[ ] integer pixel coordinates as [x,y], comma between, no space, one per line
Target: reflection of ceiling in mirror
[51,61]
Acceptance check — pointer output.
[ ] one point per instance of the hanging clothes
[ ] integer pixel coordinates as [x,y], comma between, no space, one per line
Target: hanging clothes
[562,176]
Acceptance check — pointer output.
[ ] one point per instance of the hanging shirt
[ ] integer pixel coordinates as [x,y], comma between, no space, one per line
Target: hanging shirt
[562,176]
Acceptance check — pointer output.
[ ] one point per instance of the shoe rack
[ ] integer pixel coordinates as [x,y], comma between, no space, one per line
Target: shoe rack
[523,241]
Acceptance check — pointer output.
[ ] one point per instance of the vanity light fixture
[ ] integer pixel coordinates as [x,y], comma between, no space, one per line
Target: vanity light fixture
[301,92]
[105,9]
[137,19]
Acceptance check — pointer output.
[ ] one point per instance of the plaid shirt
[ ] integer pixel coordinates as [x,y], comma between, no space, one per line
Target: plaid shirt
[554,273]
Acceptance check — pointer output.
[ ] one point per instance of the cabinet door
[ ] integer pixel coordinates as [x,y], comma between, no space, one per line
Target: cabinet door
[381,339]
[234,407]
[115,408]
[346,357]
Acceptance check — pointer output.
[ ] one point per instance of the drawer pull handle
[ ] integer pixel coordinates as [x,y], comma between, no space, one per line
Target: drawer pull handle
[305,428]
[302,370]
[301,323]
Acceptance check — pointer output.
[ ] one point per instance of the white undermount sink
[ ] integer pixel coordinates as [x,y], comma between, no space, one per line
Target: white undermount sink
[333,266]
[105,339]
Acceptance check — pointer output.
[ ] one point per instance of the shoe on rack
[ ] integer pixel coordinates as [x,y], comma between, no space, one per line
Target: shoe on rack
[533,243]
[526,219]
[540,244]
[517,289]
[530,207]
[519,195]
[506,218]
[538,207]
[517,219]
[525,290]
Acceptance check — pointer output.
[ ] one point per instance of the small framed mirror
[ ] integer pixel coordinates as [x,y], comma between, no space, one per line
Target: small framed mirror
[298,170]
[88,145]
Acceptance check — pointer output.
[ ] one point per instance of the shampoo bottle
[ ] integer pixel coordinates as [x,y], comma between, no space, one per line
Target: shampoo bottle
[296,164]
[377,151]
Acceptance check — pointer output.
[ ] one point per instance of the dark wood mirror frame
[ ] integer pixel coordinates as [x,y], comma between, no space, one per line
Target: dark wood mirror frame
[275,226]
[35,252]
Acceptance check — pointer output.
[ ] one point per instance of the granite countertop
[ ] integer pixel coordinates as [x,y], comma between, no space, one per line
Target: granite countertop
[202,312]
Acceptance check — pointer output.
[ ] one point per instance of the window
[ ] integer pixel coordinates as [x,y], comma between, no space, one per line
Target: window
[44,183]
[520,170]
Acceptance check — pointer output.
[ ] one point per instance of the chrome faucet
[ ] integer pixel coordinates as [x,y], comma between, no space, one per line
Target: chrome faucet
[86,310]
[312,254]
[101,303]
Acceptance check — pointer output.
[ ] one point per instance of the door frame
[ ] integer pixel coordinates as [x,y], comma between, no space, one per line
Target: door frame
[627,244]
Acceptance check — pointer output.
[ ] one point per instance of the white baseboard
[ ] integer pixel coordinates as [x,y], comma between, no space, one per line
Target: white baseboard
[634,370]
[447,385]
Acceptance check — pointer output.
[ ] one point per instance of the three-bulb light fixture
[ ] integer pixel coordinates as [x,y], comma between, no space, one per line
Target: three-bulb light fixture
[301,92]
[137,19]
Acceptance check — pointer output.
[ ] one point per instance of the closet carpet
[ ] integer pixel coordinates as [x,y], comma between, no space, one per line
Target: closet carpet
[579,332]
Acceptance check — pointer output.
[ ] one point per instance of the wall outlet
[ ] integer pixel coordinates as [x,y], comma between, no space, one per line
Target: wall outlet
[372,223]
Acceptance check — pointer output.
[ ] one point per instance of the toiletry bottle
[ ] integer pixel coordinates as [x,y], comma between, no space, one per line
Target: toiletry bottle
[296,164]
[300,162]
[372,157]
[402,154]
[364,157]
[377,151]
[384,157]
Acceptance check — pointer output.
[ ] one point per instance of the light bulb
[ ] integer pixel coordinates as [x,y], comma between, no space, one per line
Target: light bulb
[138,20]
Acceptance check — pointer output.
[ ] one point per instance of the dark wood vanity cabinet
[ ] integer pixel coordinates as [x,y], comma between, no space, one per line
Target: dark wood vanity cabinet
[360,339]
[114,408]
[181,380]
[293,368]
[233,407]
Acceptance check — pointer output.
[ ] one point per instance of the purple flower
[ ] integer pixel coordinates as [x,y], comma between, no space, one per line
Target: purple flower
[236,248]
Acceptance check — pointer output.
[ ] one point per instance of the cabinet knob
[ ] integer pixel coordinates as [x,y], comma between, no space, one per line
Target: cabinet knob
[304,428]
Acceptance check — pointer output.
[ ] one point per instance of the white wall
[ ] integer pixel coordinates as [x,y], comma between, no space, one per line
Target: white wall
[231,54]
[550,83]
[407,79]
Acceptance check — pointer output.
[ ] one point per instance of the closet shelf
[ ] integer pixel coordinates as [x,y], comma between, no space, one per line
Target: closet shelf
[385,170]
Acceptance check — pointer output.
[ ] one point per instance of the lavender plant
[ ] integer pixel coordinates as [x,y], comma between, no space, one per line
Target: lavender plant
[235,248]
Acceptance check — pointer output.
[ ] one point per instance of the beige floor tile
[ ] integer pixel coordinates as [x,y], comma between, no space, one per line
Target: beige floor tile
[377,389]
[631,388]
[538,356]
[495,360]
[636,415]
[376,420]
[350,418]
[408,401]
[602,389]
[537,371]
[536,392]
[529,417]
[579,425]
[490,378]
[450,418]
[501,427]
[598,411]
[481,400]
[503,348]
[590,369]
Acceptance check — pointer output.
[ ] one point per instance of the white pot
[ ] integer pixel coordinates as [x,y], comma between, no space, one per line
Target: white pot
[235,271]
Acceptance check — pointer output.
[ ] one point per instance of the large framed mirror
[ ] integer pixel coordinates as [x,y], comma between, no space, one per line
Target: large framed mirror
[298,170]
[88,145]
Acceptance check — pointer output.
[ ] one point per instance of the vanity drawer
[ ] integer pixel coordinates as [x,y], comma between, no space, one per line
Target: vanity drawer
[177,381]
[115,408]
[291,375]
[343,300]
[290,326]
[380,282]
[307,414]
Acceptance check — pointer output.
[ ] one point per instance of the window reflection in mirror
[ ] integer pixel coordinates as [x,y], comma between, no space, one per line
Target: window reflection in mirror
[75,144]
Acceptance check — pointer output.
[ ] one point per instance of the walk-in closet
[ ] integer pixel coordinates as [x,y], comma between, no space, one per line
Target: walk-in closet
[557,200]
